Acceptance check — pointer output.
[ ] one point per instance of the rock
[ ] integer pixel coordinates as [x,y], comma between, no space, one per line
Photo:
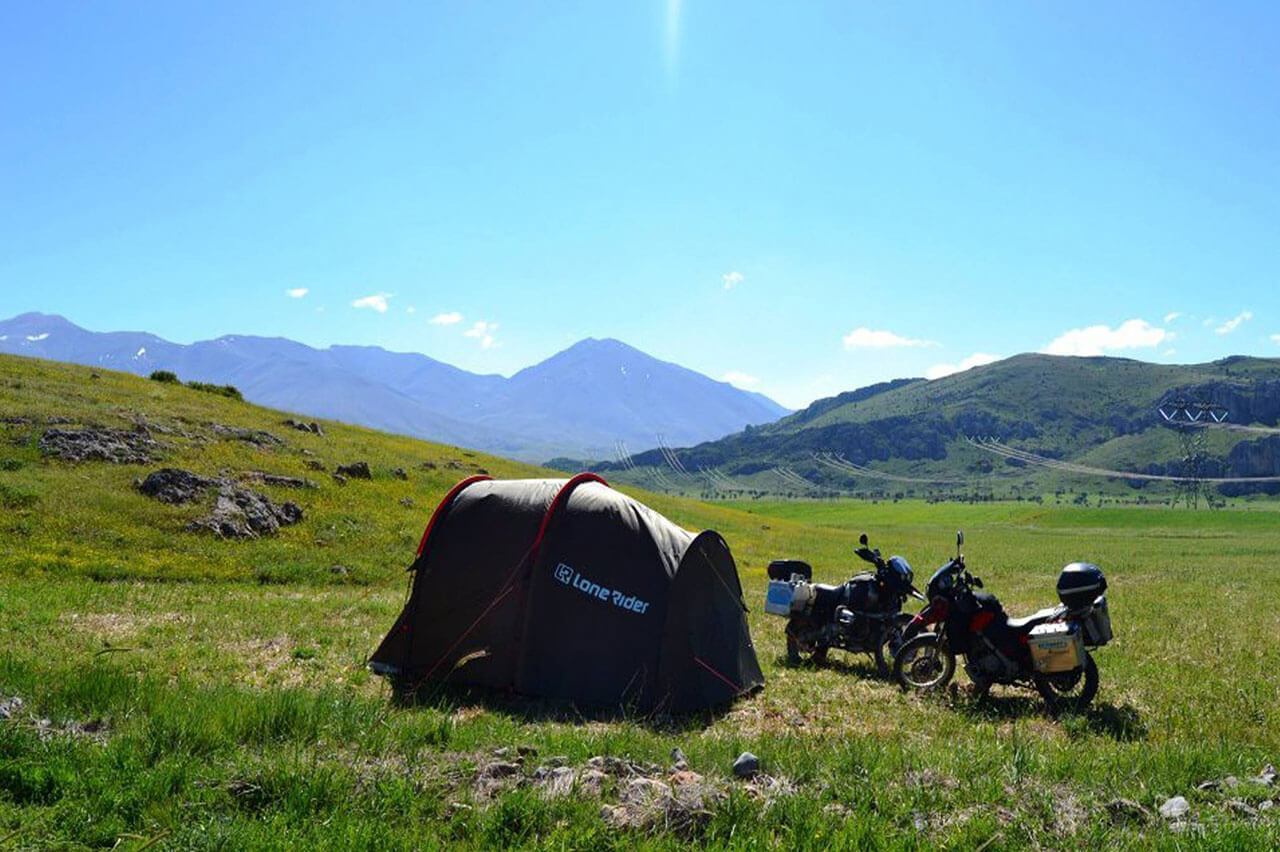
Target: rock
[678,760]
[257,437]
[313,428]
[454,464]
[591,782]
[340,479]
[746,766]
[339,570]
[1266,805]
[1176,808]
[644,792]
[175,486]
[314,464]
[110,445]
[1242,808]
[428,465]
[1267,776]
[500,769]
[15,420]
[1126,810]
[276,479]
[399,473]
[526,751]
[609,765]
[9,707]
[407,502]
[355,470]
[557,782]
[919,821]
[241,513]
[685,778]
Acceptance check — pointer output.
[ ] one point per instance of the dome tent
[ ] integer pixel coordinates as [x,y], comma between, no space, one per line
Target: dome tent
[568,589]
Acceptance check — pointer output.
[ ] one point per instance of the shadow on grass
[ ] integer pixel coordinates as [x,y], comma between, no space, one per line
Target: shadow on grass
[1122,723]
[449,698]
[858,665]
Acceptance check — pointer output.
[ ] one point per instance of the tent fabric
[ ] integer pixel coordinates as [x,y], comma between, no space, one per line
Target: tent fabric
[568,589]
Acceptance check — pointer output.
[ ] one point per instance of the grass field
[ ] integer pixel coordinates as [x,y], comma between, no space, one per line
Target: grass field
[179,691]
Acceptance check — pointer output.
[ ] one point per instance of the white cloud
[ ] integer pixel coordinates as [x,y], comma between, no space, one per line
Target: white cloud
[1099,339]
[376,302]
[296,292]
[1234,323]
[732,279]
[742,380]
[977,359]
[1275,338]
[411,310]
[1172,316]
[482,331]
[451,318]
[866,338]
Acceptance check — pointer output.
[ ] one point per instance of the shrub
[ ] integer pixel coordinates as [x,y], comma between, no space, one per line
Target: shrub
[167,376]
[230,391]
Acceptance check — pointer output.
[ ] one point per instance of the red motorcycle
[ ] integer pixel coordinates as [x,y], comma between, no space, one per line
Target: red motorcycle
[1048,650]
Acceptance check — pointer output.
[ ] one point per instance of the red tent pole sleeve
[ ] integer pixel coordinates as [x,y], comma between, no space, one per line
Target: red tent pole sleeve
[445,504]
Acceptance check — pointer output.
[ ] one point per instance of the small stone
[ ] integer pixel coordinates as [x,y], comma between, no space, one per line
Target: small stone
[645,791]
[500,769]
[339,570]
[678,759]
[399,473]
[1266,805]
[746,766]
[1176,808]
[1268,776]
[340,479]
[9,707]
[407,502]
[920,821]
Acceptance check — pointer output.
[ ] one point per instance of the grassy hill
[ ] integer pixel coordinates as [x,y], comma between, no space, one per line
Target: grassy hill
[1089,410]
[164,688]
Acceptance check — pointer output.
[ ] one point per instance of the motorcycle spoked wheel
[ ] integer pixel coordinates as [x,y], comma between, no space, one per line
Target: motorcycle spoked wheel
[1071,691]
[890,641]
[924,664]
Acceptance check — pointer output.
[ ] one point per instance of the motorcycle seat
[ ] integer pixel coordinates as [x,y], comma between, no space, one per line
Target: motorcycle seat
[1033,620]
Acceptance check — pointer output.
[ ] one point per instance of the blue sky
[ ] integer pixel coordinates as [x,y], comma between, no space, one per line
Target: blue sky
[804,197]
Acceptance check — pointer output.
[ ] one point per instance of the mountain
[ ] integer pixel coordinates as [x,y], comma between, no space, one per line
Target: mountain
[914,435]
[578,403]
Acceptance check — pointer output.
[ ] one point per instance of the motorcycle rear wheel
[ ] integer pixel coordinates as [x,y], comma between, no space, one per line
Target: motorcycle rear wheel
[924,664]
[1071,691]
[890,642]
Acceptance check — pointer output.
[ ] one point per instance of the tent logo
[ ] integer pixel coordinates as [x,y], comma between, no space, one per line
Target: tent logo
[571,578]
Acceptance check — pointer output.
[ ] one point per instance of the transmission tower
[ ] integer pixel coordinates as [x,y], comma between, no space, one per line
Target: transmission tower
[1188,418]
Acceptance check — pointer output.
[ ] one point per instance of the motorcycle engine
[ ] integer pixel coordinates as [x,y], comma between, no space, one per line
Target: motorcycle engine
[986,666]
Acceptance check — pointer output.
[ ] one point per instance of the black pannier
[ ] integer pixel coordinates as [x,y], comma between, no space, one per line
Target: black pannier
[1079,584]
[782,569]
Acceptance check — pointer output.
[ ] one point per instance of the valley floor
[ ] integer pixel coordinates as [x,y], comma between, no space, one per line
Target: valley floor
[161,688]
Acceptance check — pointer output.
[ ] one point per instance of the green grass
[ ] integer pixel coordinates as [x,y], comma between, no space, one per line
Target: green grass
[200,693]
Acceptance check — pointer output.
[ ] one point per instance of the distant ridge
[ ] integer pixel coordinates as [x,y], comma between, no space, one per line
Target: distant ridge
[579,403]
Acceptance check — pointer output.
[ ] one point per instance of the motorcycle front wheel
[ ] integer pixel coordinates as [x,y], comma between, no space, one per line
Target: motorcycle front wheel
[1071,691]
[924,664]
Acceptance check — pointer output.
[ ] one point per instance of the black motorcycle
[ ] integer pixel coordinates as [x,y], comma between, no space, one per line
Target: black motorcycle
[1048,650]
[861,616]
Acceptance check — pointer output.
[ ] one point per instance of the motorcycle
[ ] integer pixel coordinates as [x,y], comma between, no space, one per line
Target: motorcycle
[862,616]
[1048,650]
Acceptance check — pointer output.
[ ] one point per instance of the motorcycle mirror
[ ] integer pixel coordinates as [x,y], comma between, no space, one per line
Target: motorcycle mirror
[862,539]
[959,538]
[977,582]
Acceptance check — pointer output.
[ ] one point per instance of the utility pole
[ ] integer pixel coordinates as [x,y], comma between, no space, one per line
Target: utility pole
[1189,418]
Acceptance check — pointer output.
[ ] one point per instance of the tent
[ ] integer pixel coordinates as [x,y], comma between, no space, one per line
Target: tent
[568,589]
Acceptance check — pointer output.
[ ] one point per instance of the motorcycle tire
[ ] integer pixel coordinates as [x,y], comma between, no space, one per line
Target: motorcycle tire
[890,641]
[908,671]
[1058,690]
